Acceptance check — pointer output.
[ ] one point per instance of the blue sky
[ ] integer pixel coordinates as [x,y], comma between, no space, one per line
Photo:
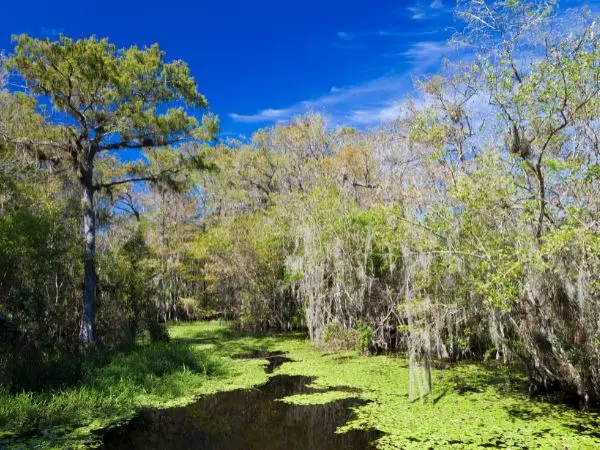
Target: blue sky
[260,62]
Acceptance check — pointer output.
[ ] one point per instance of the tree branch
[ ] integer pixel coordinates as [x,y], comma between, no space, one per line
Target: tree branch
[129,144]
[152,177]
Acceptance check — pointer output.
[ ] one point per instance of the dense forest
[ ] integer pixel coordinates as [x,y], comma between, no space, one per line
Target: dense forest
[466,229]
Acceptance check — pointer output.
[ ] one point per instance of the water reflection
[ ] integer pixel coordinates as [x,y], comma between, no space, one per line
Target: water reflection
[245,419]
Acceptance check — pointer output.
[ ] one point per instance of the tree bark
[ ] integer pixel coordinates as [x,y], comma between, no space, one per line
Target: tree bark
[86,332]
[542,201]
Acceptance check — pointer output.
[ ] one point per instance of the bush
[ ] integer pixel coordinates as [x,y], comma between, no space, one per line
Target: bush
[364,334]
[338,337]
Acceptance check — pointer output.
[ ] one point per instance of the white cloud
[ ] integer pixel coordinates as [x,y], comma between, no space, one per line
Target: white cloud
[344,35]
[376,115]
[265,115]
[426,51]
[357,35]
[359,104]
[380,100]
[416,12]
[424,55]
[420,11]
[372,102]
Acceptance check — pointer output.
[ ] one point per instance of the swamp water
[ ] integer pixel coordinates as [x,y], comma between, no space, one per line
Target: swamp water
[246,419]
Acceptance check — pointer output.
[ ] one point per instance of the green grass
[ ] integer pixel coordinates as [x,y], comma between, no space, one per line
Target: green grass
[147,375]
[198,361]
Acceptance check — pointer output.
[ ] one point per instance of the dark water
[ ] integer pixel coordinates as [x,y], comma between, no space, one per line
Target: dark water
[275,359]
[246,419]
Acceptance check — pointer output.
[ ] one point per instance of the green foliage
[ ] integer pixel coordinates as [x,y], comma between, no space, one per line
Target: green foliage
[108,89]
[114,100]
[128,308]
[257,244]
[35,251]
[364,334]
[117,99]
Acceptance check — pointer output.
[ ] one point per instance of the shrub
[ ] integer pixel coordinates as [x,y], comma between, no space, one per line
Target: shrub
[364,334]
[338,337]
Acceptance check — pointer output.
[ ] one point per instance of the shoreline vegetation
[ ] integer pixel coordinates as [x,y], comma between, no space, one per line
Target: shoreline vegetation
[474,405]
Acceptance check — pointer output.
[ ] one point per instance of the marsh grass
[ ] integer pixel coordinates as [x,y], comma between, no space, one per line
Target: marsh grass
[111,388]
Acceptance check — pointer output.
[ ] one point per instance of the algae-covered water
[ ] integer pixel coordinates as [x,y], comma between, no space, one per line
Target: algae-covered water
[278,391]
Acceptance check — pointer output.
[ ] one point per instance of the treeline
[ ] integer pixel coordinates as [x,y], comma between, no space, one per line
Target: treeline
[467,228]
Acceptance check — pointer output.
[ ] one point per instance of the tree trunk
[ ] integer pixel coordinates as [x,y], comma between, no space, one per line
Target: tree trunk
[86,333]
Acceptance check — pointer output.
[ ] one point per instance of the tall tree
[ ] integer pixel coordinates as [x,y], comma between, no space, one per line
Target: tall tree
[104,101]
